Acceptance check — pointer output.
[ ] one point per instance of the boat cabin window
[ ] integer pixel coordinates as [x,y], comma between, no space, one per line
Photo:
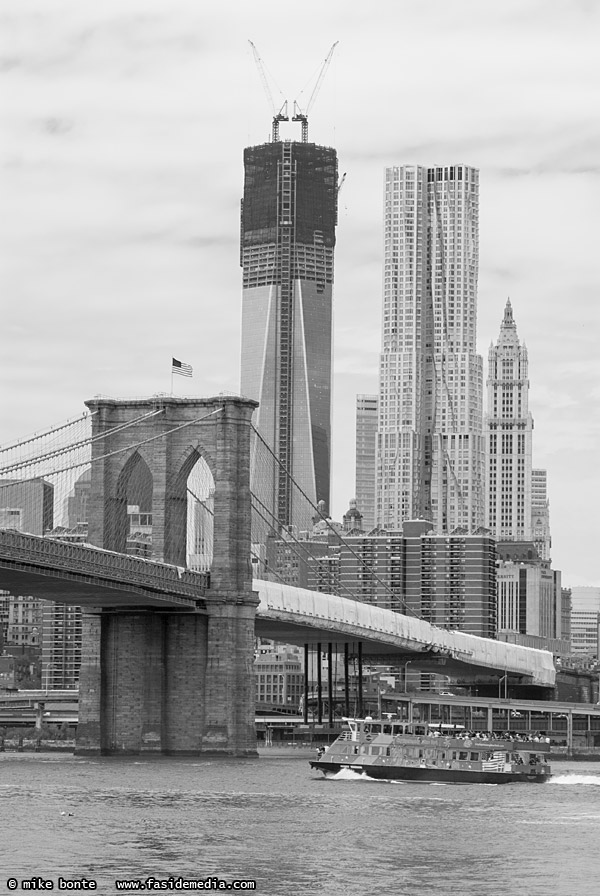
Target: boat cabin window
[387,729]
[371,728]
[463,755]
[474,757]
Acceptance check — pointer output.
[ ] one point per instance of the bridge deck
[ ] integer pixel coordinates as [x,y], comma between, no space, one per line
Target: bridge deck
[83,574]
[296,615]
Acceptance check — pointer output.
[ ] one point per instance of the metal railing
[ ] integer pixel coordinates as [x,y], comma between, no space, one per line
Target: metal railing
[113,567]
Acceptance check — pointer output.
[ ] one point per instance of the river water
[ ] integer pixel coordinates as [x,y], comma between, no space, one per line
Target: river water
[275,821]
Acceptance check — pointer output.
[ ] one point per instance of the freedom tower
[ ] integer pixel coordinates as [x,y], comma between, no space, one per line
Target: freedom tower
[288,220]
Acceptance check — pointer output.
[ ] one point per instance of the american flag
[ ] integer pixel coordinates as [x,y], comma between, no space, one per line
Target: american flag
[181,368]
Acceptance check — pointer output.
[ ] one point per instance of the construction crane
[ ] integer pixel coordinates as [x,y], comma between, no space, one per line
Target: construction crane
[301,116]
[278,116]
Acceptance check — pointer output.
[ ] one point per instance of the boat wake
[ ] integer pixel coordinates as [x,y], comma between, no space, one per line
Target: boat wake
[348,774]
[594,780]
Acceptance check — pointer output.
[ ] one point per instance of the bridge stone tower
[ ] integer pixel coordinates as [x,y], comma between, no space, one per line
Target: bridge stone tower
[169,681]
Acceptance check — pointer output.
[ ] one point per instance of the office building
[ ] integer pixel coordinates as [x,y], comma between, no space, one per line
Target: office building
[366,441]
[430,446]
[585,621]
[26,505]
[531,603]
[566,608]
[508,433]
[288,219]
[540,513]
[279,676]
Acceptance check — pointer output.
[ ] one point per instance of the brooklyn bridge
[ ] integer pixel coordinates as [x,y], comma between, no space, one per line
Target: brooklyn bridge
[168,636]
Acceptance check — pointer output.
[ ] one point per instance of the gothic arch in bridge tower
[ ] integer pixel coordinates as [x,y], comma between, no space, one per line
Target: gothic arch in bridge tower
[180,527]
[134,486]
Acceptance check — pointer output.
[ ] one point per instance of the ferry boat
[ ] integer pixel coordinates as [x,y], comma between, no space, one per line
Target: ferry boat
[401,751]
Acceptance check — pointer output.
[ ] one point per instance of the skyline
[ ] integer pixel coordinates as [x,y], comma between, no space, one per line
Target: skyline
[122,176]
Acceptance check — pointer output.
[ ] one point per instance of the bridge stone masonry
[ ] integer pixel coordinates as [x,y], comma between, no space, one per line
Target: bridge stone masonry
[175,681]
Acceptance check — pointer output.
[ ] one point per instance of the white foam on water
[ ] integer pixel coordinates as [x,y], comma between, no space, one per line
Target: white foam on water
[348,774]
[594,780]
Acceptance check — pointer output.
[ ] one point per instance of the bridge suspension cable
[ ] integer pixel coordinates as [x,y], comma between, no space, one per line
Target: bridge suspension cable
[161,435]
[42,435]
[395,597]
[34,460]
[301,551]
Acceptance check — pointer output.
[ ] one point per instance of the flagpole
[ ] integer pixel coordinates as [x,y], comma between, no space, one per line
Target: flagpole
[171,379]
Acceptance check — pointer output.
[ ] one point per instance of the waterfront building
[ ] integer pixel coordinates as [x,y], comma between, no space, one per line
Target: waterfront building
[61,641]
[430,446]
[366,441]
[288,219]
[585,621]
[4,611]
[508,433]
[451,579]
[24,627]
[530,599]
[448,580]
[279,676]
[540,513]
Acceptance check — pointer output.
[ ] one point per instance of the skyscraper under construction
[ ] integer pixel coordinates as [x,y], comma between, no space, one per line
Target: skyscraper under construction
[288,219]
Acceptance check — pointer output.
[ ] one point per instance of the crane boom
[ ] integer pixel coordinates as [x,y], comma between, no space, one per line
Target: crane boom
[301,116]
[322,73]
[278,116]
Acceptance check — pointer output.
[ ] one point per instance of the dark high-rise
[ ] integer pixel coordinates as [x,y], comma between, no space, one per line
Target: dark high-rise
[289,214]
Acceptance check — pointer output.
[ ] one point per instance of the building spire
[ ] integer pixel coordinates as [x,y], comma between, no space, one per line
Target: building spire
[508,315]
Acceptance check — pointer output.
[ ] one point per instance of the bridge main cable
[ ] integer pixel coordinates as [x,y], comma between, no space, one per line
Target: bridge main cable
[162,435]
[38,459]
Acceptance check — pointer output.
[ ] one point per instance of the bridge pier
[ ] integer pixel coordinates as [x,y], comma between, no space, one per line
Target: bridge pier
[170,683]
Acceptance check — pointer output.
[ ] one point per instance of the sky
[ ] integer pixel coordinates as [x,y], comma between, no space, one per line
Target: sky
[122,129]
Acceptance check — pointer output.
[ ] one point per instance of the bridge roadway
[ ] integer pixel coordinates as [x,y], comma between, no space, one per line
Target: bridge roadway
[90,577]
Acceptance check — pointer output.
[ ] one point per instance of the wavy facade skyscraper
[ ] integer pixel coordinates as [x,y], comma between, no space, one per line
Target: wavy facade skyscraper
[289,214]
[430,448]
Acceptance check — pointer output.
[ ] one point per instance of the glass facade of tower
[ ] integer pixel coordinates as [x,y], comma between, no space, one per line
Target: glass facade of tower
[289,214]
[430,457]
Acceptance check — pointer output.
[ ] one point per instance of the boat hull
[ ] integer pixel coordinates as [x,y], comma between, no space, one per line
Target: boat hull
[430,775]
